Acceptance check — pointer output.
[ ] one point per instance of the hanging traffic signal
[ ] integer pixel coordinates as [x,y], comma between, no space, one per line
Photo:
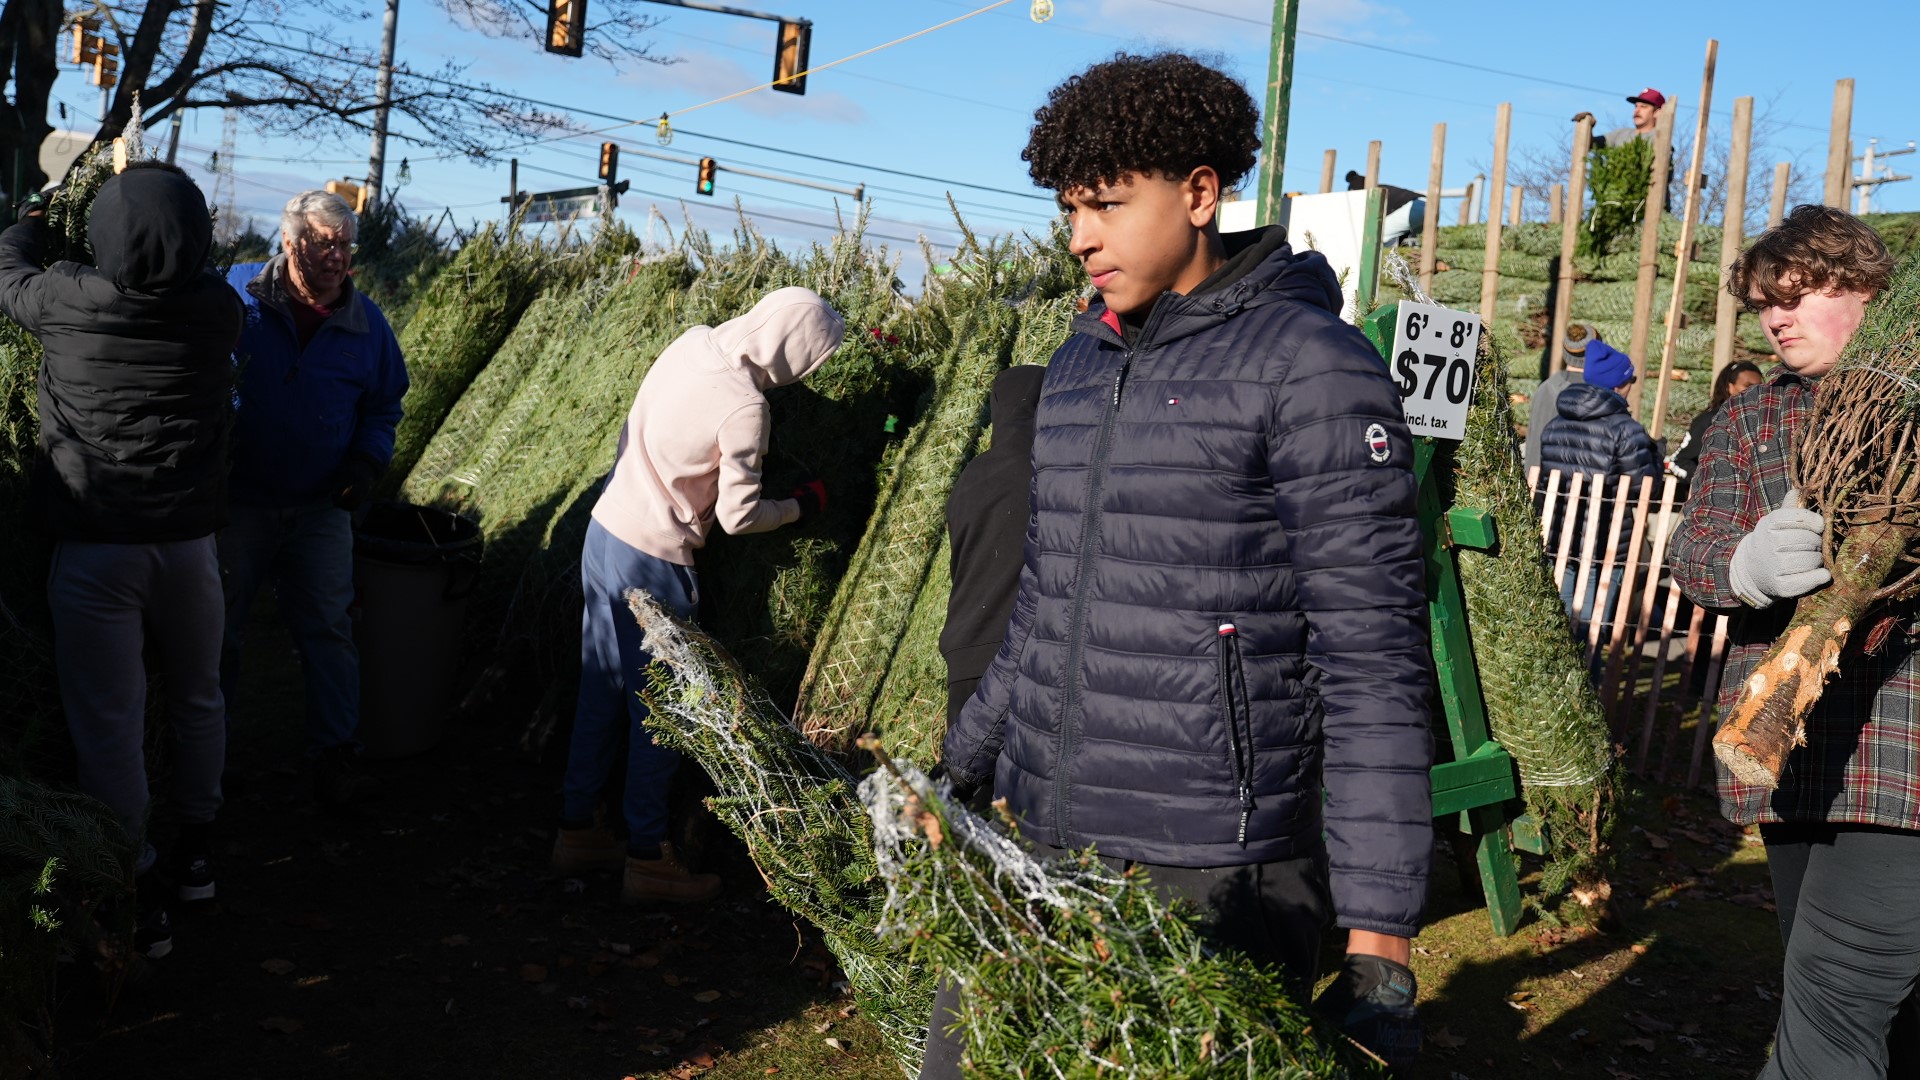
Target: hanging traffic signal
[790,55]
[354,195]
[567,27]
[707,169]
[609,162]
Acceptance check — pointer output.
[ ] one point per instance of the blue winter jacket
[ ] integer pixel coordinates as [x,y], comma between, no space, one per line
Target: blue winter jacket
[1223,608]
[1596,433]
[299,412]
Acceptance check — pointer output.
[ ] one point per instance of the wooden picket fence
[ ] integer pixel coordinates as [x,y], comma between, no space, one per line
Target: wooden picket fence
[1645,641]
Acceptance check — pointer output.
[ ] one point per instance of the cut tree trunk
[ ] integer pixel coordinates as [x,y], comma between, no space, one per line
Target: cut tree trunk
[1770,718]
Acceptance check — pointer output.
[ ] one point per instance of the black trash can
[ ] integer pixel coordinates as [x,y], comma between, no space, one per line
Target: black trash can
[413,570]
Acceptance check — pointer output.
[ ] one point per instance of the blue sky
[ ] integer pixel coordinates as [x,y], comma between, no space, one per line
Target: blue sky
[955,105]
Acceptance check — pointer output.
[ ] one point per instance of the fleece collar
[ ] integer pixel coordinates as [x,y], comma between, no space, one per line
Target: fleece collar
[270,288]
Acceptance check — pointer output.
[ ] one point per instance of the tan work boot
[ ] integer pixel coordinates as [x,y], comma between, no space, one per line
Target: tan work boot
[577,851]
[665,878]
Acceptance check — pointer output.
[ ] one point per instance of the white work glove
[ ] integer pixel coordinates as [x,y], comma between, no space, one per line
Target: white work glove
[1782,557]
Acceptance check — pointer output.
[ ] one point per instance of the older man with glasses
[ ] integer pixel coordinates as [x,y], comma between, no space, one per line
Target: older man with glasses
[320,383]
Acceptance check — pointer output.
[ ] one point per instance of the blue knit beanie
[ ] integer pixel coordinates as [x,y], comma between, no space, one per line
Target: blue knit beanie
[1607,367]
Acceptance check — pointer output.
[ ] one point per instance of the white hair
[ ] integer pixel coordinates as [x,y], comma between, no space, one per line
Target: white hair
[329,209]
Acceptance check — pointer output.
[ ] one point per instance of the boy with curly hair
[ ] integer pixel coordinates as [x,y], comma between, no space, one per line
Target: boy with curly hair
[1842,829]
[1217,665]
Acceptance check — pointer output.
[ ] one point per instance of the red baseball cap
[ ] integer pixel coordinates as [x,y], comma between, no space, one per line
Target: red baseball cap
[1652,97]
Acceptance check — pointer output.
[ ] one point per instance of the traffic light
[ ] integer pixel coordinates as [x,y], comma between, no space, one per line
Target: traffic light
[92,50]
[707,169]
[609,162]
[790,55]
[567,27]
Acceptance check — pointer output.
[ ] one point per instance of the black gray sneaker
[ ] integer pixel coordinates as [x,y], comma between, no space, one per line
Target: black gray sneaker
[338,781]
[192,864]
[152,926]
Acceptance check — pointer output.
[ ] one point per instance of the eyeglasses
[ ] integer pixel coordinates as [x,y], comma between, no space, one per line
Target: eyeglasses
[329,247]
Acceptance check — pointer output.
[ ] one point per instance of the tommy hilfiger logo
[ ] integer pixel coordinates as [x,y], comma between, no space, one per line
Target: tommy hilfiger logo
[1378,448]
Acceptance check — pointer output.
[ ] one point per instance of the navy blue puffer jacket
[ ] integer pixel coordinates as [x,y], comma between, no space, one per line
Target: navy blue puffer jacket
[1223,607]
[1596,433]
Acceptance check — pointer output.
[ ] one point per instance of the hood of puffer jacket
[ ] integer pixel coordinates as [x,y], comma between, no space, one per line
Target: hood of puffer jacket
[783,339]
[150,230]
[1584,401]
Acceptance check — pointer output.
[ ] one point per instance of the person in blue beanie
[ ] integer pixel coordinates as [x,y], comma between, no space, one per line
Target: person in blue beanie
[1595,433]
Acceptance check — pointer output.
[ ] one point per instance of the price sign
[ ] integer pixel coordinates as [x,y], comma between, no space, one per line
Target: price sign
[1433,356]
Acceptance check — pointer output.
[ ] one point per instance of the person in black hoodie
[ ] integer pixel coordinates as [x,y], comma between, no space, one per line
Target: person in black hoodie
[130,482]
[1217,667]
[986,526]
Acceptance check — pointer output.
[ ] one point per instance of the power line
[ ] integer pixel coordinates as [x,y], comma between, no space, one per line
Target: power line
[624,121]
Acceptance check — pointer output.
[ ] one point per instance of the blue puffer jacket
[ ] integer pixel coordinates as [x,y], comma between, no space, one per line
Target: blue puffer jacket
[1596,433]
[300,412]
[1223,606]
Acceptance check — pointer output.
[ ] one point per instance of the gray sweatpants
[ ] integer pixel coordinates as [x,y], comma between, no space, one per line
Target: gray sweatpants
[112,605]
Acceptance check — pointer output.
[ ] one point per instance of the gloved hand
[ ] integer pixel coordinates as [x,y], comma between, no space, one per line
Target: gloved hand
[34,205]
[352,483]
[812,497]
[1372,1001]
[965,792]
[1781,558]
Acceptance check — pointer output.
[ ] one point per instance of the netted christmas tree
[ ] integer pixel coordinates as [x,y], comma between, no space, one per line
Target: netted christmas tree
[1857,464]
[971,320]
[1066,969]
[1541,705]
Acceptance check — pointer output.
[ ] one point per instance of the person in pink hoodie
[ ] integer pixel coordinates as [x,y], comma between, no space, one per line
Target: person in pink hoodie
[689,457]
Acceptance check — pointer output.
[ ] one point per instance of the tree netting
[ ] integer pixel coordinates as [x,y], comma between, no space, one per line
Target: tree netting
[456,327]
[1541,704]
[972,320]
[1067,969]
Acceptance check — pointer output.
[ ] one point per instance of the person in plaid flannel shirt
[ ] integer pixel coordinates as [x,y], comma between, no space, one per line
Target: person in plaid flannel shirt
[1842,830]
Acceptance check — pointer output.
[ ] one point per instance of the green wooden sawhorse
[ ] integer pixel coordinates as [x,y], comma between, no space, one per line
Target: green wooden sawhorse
[1478,790]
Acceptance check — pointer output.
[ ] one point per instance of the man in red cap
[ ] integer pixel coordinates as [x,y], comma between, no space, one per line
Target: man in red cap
[1646,113]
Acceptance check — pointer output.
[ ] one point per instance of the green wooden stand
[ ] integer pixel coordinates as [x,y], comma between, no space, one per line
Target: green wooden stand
[1479,788]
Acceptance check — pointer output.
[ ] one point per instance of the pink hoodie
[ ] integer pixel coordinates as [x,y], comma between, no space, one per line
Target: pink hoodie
[690,452]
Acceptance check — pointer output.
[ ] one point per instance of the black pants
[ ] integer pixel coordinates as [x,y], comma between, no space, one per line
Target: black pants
[1273,912]
[1849,906]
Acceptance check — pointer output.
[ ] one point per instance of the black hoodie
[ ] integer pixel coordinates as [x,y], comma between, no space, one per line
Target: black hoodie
[136,384]
[986,529]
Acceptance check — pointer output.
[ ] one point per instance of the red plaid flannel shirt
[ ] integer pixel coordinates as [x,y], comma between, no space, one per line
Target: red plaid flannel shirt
[1862,758]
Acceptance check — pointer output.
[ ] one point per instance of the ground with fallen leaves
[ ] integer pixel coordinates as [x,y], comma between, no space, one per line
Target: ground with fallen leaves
[428,940]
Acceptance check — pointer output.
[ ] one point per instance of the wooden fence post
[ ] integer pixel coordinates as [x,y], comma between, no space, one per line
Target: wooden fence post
[1840,146]
[1373,165]
[1496,193]
[1726,313]
[1782,172]
[1570,236]
[1683,250]
[1556,197]
[1326,172]
[1650,245]
[1430,226]
[1516,199]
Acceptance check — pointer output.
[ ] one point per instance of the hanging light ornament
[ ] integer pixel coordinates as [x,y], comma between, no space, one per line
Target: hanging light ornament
[406,172]
[1042,10]
[663,131]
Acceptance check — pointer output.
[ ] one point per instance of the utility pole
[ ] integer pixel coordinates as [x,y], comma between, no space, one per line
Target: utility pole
[1273,123]
[383,94]
[1870,162]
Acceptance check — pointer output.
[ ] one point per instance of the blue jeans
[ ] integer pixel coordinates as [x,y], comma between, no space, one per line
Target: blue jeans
[308,552]
[612,670]
[113,605]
